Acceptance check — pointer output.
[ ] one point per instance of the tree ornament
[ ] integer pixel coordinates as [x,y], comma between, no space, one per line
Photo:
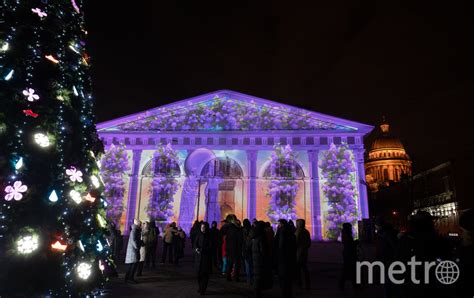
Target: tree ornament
[53,197]
[30,94]
[27,244]
[15,192]
[30,113]
[74,174]
[101,266]
[58,246]
[90,198]
[84,270]
[19,164]
[52,59]
[42,140]
[75,196]
[76,7]
[99,246]
[39,12]
[4,47]
[9,75]
[95,181]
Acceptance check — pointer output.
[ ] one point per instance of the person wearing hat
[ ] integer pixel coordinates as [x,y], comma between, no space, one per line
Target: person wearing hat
[132,256]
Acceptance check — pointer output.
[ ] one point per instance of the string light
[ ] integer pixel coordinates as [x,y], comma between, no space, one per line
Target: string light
[84,270]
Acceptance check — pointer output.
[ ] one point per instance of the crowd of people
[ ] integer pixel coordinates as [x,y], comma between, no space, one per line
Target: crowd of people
[255,250]
[250,249]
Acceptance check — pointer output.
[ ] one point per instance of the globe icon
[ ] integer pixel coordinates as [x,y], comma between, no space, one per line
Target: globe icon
[447,272]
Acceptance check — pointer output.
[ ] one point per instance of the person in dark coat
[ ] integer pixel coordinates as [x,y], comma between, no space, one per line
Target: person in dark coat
[194,232]
[349,256]
[247,250]
[152,243]
[203,258]
[214,234]
[386,245]
[303,243]
[133,251]
[234,240]
[422,242]
[285,251]
[179,240]
[261,259]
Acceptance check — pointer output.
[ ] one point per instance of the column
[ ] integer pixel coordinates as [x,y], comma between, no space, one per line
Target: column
[132,190]
[252,184]
[315,197]
[363,199]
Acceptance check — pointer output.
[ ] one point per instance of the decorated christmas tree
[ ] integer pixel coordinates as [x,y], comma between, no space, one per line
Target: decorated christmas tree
[338,171]
[283,186]
[53,218]
[164,185]
[113,165]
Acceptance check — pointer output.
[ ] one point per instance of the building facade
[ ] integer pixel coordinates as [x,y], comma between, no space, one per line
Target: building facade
[224,141]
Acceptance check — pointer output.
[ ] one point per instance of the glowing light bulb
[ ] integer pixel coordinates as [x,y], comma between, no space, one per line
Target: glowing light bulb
[27,244]
[84,270]
[42,140]
[53,197]
[75,196]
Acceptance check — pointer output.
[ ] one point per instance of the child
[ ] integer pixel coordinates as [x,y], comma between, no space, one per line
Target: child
[224,255]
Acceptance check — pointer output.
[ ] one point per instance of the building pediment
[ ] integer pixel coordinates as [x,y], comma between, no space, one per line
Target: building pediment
[230,111]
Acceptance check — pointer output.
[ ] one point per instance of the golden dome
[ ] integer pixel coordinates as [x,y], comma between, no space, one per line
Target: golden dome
[387,160]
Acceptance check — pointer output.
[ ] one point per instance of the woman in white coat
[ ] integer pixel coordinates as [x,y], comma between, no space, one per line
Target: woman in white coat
[133,251]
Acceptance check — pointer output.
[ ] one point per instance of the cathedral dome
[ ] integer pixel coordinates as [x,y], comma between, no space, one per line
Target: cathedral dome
[387,160]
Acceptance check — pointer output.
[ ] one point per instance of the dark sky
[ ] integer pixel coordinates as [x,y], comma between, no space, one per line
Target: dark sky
[411,61]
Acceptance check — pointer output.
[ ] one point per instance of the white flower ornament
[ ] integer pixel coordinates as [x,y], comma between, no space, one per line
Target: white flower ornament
[30,94]
[74,174]
[15,191]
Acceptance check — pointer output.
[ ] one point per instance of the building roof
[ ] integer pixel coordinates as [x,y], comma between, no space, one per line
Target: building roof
[226,110]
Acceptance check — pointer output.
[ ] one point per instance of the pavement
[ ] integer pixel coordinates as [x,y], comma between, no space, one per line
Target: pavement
[171,281]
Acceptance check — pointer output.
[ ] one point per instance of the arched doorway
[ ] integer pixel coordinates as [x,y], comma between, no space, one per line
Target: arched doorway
[172,171]
[224,188]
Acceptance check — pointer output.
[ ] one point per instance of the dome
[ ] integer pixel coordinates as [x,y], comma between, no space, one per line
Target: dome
[385,140]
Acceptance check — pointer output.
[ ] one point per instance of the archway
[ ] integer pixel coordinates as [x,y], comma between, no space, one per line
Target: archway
[224,189]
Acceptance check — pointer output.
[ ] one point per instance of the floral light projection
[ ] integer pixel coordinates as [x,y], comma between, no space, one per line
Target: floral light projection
[222,113]
[339,173]
[283,187]
[114,163]
[164,185]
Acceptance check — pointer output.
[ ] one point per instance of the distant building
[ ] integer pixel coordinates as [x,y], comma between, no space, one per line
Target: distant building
[434,191]
[387,160]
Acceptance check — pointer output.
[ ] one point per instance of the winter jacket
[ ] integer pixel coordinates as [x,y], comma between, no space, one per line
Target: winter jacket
[133,246]
[285,252]
[202,253]
[303,243]
[234,240]
[262,261]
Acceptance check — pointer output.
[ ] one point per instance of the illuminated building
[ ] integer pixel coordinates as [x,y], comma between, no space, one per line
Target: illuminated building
[224,141]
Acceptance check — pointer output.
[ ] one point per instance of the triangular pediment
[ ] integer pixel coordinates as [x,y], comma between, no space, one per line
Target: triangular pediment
[229,111]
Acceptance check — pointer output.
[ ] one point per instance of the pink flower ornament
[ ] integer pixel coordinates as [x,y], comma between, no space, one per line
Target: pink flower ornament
[15,191]
[39,12]
[74,174]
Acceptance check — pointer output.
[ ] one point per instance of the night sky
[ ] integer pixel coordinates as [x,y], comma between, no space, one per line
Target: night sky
[411,61]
